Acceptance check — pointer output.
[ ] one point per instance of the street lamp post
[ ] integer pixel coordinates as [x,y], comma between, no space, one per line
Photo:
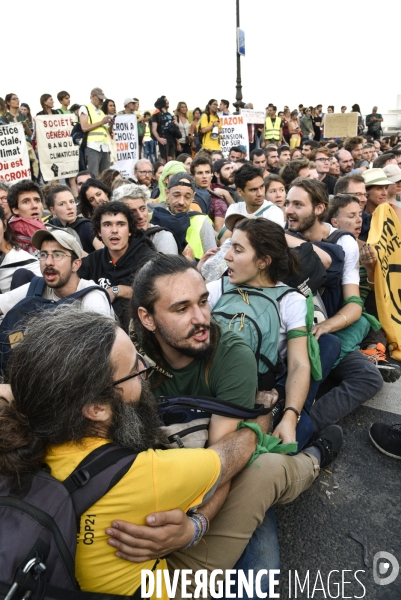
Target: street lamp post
[238,104]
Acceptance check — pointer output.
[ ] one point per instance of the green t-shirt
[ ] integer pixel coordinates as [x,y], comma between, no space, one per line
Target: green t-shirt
[63,112]
[232,376]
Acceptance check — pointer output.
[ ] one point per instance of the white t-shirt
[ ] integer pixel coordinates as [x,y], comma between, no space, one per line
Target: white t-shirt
[7,268]
[94,300]
[98,146]
[292,309]
[273,213]
[351,260]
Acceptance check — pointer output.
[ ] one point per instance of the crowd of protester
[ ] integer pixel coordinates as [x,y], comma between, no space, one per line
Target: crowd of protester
[285,226]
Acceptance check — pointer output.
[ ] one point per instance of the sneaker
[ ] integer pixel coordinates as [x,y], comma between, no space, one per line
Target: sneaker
[387,438]
[329,441]
[377,355]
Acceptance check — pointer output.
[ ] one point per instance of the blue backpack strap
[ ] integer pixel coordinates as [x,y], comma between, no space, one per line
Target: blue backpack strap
[36,287]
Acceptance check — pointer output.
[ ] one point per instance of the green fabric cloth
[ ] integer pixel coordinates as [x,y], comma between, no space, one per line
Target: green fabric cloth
[171,168]
[313,345]
[267,443]
[351,337]
[232,375]
[374,323]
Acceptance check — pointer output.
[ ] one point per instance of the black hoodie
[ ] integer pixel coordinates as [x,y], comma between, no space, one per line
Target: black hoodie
[99,267]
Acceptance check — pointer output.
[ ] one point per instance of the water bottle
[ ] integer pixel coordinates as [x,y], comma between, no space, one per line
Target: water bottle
[215,266]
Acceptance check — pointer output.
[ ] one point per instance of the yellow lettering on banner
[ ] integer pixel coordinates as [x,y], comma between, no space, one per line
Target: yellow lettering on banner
[385,236]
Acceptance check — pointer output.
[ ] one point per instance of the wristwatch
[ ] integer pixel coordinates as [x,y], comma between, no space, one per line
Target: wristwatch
[115,290]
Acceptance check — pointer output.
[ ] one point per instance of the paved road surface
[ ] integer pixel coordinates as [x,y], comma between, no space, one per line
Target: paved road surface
[362,494]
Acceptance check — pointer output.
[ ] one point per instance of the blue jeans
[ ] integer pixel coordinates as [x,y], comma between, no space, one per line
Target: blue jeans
[262,552]
[149,150]
[330,348]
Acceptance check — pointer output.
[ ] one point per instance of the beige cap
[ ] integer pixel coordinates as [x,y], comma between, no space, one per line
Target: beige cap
[99,93]
[393,173]
[66,240]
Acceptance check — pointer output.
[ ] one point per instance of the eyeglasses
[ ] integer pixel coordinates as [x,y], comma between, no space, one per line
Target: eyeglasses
[3,199]
[145,172]
[325,159]
[56,255]
[357,194]
[144,374]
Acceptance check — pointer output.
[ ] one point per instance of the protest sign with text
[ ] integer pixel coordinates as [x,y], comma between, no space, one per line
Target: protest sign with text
[339,125]
[257,117]
[14,159]
[125,132]
[234,132]
[58,156]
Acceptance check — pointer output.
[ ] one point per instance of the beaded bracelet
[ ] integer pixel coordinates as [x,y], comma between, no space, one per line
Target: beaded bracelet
[201,525]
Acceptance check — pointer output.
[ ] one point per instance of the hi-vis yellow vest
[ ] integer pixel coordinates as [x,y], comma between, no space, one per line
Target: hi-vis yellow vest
[193,237]
[272,132]
[100,133]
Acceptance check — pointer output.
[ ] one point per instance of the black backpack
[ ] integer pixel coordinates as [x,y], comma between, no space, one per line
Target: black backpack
[39,523]
[332,292]
[79,137]
[186,418]
[151,231]
[177,224]
[14,323]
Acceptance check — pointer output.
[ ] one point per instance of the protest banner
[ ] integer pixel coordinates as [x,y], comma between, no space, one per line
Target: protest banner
[256,117]
[340,125]
[233,132]
[125,132]
[14,159]
[58,156]
[385,236]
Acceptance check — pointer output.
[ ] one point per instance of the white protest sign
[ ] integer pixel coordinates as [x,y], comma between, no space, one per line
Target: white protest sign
[14,159]
[58,155]
[256,117]
[233,132]
[125,132]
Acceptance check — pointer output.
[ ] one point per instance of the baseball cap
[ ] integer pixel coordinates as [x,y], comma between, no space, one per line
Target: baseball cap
[99,93]
[128,100]
[219,164]
[181,179]
[233,219]
[393,173]
[242,148]
[66,240]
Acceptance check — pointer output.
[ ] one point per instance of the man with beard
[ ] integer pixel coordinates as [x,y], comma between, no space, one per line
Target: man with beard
[100,396]
[222,193]
[143,173]
[192,355]
[357,378]
[60,258]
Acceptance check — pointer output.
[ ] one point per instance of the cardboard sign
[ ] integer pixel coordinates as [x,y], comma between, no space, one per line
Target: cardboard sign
[234,132]
[14,159]
[125,132]
[256,117]
[58,156]
[340,125]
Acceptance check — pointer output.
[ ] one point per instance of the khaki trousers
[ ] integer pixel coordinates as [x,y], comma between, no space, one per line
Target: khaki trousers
[271,479]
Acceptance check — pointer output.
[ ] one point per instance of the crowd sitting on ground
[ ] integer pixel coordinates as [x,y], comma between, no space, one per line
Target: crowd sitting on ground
[245,278]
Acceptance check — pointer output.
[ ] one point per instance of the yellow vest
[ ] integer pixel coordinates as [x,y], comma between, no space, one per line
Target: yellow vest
[193,237]
[100,133]
[272,132]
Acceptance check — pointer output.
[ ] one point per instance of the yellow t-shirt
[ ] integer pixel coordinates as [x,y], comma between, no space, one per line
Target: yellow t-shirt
[207,141]
[158,480]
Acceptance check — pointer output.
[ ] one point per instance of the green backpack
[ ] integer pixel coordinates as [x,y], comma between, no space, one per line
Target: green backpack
[253,313]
